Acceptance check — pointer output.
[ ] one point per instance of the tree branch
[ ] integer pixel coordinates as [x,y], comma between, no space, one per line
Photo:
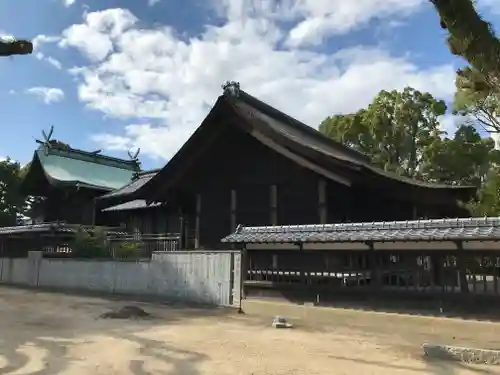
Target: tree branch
[470,36]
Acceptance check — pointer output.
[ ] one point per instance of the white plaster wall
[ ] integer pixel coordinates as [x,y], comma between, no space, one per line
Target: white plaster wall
[75,274]
[203,277]
[14,271]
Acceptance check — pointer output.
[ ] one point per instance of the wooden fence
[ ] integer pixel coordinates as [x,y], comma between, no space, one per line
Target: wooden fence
[416,279]
[66,240]
[210,277]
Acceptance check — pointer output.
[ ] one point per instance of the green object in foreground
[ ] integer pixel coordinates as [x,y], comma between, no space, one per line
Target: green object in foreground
[16,47]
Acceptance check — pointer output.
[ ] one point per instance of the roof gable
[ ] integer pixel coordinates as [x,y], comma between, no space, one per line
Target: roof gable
[279,122]
[67,166]
[286,135]
[304,138]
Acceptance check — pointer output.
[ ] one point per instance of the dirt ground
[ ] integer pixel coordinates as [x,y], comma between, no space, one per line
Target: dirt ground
[45,333]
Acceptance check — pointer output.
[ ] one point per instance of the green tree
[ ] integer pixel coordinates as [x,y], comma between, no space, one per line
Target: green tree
[471,37]
[464,159]
[480,105]
[12,202]
[394,130]
[90,244]
[488,200]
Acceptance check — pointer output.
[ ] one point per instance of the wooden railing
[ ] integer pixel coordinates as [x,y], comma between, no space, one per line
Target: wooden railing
[149,243]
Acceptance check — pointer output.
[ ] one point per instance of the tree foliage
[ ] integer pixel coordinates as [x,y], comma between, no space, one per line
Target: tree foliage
[488,200]
[478,85]
[465,159]
[12,202]
[394,130]
[400,132]
[90,244]
[480,106]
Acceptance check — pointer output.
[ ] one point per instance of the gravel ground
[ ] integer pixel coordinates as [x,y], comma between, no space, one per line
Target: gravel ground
[48,333]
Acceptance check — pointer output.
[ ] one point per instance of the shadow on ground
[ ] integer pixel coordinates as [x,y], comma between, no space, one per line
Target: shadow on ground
[442,367]
[436,367]
[37,335]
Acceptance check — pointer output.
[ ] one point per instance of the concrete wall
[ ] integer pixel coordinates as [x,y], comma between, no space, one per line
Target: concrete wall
[205,277]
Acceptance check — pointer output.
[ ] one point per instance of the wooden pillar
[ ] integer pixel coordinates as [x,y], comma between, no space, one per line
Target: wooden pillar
[233,210]
[462,269]
[322,203]
[182,241]
[153,221]
[244,272]
[94,204]
[273,204]
[197,222]
[374,268]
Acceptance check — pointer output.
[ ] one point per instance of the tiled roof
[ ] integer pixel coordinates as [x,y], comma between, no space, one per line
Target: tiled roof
[79,168]
[416,230]
[133,186]
[294,139]
[47,227]
[132,205]
[297,132]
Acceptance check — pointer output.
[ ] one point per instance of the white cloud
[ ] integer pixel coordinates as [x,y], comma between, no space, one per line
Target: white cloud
[41,39]
[492,5]
[49,95]
[6,36]
[165,85]
[52,61]
[319,19]
[153,2]
[94,37]
[449,124]
[68,3]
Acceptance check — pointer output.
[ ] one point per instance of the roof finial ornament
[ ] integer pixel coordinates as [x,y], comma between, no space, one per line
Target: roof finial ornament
[231,88]
[46,139]
[135,158]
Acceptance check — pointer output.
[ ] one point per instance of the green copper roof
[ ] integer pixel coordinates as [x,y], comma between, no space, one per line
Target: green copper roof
[83,169]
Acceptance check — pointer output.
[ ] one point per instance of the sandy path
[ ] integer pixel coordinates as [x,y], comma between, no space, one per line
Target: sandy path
[44,333]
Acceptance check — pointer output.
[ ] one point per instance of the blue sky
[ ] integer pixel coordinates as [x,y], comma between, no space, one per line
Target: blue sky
[122,74]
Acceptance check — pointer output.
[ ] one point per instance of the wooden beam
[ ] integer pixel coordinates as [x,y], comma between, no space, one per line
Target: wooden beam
[273,195]
[233,210]
[322,201]
[197,222]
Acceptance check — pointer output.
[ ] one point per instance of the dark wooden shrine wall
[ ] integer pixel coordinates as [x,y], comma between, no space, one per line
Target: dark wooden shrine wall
[147,221]
[267,188]
[360,204]
[71,206]
[239,166]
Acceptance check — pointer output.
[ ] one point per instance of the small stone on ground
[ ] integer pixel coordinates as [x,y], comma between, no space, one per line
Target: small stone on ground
[126,312]
[280,322]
